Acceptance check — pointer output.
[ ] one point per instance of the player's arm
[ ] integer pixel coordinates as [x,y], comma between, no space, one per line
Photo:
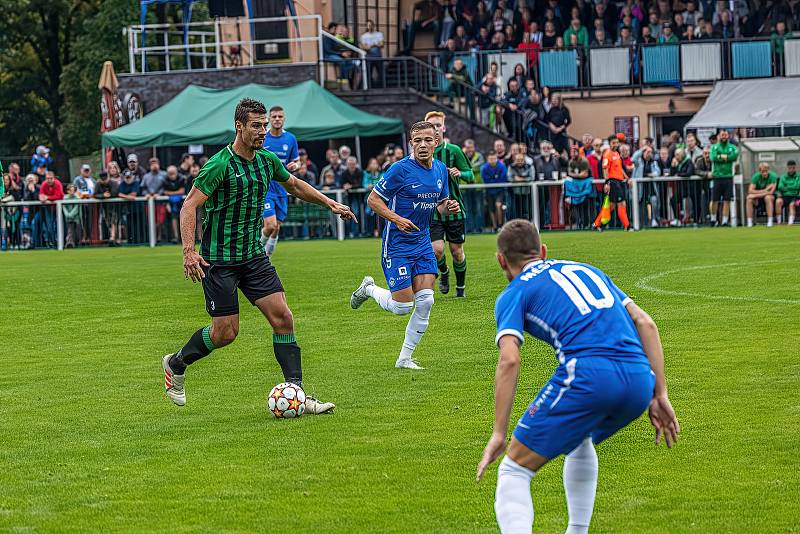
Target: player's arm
[662,416]
[379,206]
[505,388]
[302,190]
[462,165]
[193,263]
[448,206]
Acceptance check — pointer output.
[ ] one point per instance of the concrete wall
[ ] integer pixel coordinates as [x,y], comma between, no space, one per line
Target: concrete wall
[596,115]
[156,89]
[412,107]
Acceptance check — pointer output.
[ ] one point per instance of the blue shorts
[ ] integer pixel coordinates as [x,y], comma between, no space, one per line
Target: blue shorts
[602,397]
[275,206]
[399,272]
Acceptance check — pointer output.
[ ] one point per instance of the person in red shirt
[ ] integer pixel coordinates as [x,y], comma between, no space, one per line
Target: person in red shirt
[50,191]
[531,50]
[613,170]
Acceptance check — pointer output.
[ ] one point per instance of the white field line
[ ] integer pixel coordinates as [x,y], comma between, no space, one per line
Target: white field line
[645,284]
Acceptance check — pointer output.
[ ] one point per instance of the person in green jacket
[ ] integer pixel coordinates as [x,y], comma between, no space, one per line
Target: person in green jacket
[788,191]
[72,218]
[723,156]
[577,29]
[778,37]
[452,225]
[762,187]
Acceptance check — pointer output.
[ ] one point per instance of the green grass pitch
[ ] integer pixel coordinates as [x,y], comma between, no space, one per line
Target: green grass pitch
[89,441]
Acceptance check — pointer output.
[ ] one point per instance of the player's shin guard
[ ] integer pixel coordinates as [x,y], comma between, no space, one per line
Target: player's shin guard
[287,352]
[199,346]
[622,213]
[580,485]
[384,299]
[418,323]
[461,273]
[513,505]
[441,263]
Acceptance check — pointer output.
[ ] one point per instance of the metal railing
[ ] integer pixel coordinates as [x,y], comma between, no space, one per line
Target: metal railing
[358,64]
[219,44]
[658,202]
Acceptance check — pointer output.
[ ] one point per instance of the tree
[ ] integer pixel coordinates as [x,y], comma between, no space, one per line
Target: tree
[36,40]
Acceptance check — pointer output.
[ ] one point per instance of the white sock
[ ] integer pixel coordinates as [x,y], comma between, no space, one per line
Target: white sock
[791,219]
[270,247]
[513,505]
[724,220]
[769,221]
[749,221]
[384,299]
[780,218]
[418,322]
[580,485]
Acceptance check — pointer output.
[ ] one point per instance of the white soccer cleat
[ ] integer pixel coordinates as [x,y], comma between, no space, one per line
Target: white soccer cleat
[360,296]
[407,363]
[173,384]
[315,407]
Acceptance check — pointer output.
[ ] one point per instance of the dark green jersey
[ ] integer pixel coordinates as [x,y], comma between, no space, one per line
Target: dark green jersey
[236,189]
[452,156]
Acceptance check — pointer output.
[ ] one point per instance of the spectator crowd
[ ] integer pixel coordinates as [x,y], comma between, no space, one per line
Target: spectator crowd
[572,196]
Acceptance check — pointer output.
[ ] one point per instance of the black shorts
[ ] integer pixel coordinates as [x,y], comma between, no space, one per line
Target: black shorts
[722,189]
[454,230]
[618,191]
[788,199]
[256,278]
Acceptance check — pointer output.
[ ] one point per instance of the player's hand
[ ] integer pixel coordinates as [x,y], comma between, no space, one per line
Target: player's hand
[452,206]
[404,225]
[454,172]
[292,166]
[662,417]
[193,264]
[344,212]
[493,450]
[607,188]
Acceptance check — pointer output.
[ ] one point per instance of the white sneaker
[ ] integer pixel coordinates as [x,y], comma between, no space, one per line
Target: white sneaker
[315,407]
[654,224]
[407,363]
[749,224]
[769,224]
[173,384]
[360,296]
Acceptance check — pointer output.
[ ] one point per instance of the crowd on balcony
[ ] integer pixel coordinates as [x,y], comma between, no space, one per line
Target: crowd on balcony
[531,25]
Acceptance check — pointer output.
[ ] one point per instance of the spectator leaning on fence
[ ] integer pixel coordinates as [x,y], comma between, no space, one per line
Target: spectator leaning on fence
[788,192]
[723,156]
[494,171]
[474,158]
[762,187]
[133,167]
[72,218]
[84,182]
[175,189]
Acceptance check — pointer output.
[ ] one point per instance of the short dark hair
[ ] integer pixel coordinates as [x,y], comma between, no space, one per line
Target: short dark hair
[518,241]
[492,152]
[247,106]
[791,162]
[275,108]
[420,125]
[613,137]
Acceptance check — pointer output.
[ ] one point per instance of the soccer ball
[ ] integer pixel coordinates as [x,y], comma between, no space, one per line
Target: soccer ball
[287,400]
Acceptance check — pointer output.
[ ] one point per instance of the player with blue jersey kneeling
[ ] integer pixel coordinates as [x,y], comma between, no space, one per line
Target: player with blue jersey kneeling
[611,368]
[406,196]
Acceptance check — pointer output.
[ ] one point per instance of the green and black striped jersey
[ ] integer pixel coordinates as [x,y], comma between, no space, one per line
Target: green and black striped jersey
[452,156]
[236,189]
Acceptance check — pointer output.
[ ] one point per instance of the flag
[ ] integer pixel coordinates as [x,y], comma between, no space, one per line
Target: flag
[605,211]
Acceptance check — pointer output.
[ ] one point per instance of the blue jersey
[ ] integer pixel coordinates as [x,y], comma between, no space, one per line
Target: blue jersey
[285,147]
[413,192]
[574,307]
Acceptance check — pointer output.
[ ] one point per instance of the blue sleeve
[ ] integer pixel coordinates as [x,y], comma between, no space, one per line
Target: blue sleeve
[294,153]
[509,312]
[620,294]
[390,184]
[484,173]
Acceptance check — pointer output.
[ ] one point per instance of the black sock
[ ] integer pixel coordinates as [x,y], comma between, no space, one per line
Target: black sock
[287,352]
[461,272]
[199,346]
[442,264]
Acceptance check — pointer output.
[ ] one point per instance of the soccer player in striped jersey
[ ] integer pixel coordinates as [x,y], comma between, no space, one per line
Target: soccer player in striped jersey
[232,186]
[408,193]
[450,225]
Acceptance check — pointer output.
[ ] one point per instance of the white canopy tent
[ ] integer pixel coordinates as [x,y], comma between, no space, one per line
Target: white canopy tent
[762,103]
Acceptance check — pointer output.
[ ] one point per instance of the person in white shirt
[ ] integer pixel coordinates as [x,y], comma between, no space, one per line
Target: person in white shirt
[373,41]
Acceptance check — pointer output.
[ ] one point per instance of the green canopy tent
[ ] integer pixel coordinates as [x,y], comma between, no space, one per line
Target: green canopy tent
[199,115]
